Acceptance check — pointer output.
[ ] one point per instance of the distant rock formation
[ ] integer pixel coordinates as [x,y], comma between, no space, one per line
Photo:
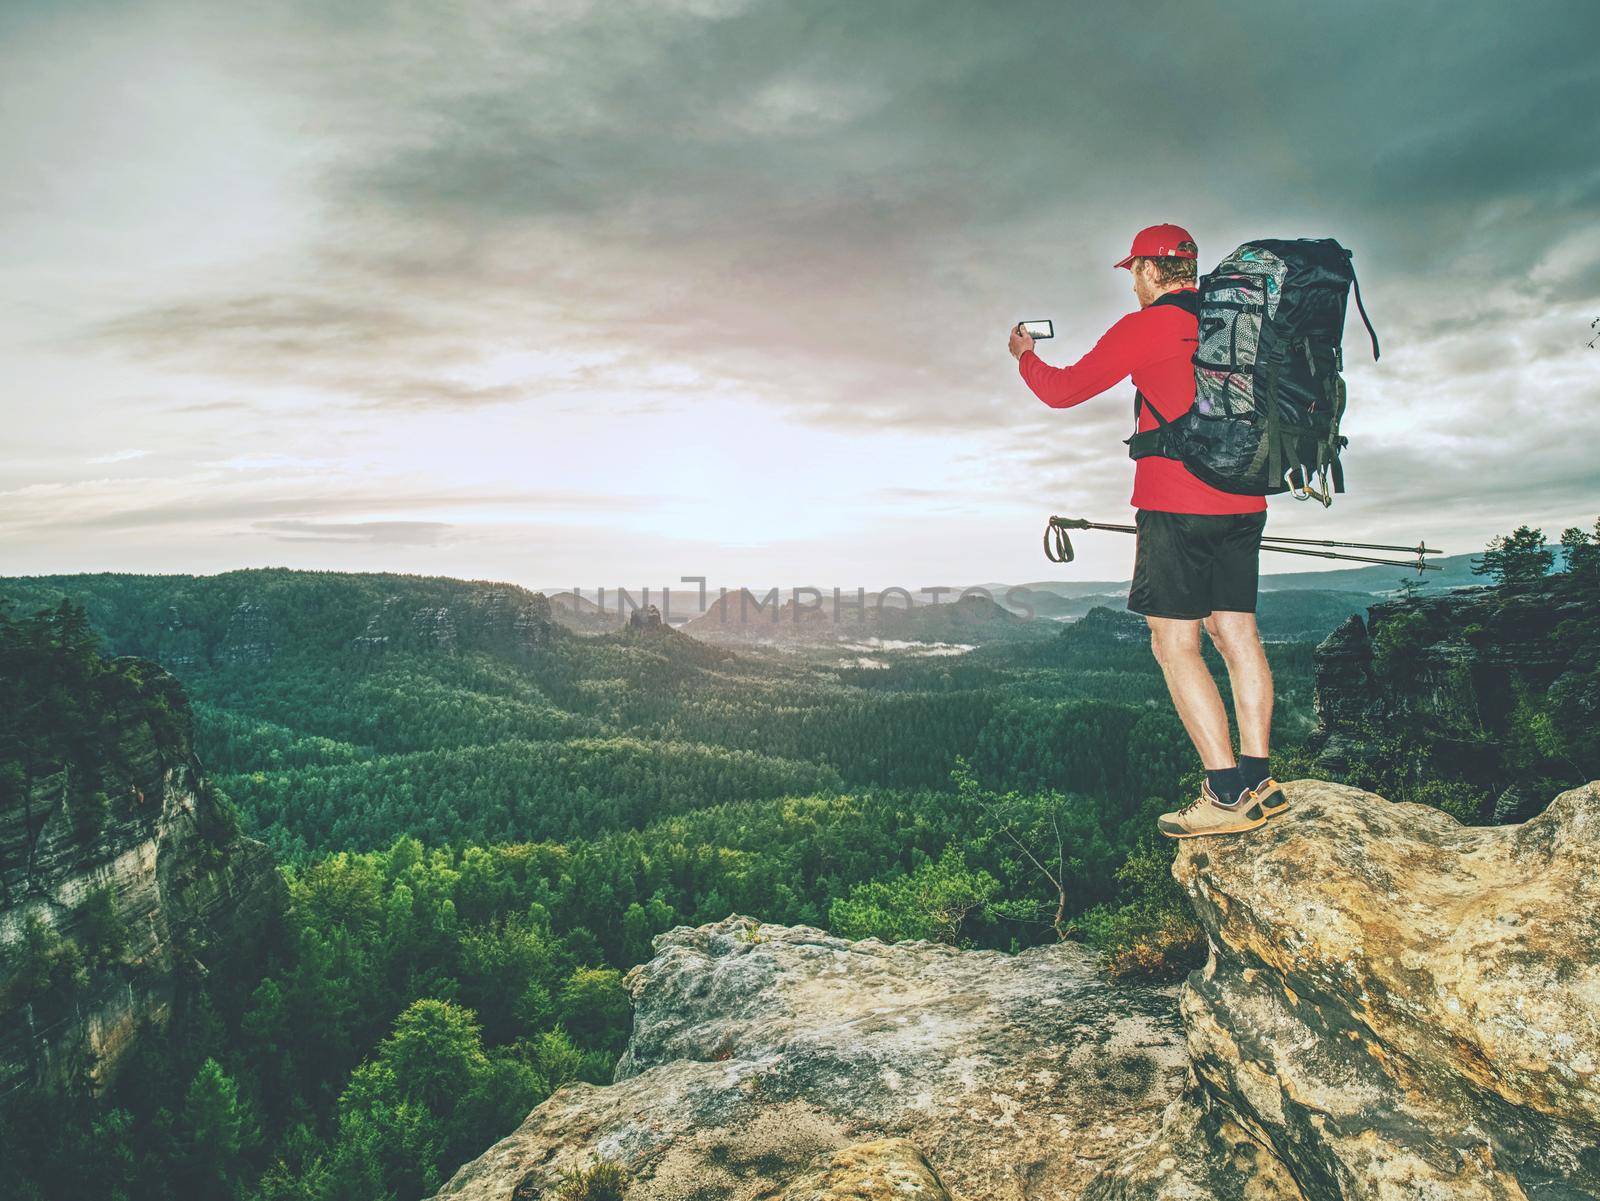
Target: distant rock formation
[514,624]
[1395,1007]
[383,628]
[180,646]
[646,619]
[775,1061]
[249,636]
[1447,668]
[160,861]
[1112,625]
[498,620]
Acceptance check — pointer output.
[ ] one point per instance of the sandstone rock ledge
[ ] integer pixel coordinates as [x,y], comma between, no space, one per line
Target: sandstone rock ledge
[1395,1007]
[779,1062]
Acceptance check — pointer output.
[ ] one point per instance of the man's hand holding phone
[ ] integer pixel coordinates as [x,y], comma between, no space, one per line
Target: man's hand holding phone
[1024,333]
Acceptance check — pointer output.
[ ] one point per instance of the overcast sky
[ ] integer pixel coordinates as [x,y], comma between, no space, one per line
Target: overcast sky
[583,293]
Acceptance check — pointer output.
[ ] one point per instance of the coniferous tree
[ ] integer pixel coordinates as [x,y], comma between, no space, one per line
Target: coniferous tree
[1519,557]
[1581,551]
[217,1127]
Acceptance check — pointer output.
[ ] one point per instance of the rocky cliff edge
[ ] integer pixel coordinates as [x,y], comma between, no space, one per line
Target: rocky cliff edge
[161,863]
[1395,1007]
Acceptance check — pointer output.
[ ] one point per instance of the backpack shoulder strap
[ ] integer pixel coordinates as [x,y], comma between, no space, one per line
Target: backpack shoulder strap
[1188,300]
[1139,398]
[1161,440]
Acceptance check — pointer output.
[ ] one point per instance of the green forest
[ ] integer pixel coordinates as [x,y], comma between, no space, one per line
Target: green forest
[483,818]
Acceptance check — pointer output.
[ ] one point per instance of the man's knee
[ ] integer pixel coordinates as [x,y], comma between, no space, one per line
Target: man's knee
[1233,633]
[1171,640]
[1217,633]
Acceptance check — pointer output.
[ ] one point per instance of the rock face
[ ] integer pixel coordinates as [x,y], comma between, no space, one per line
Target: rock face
[513,624]
[179,646]
[772,1061]
[509,623]
[161,859]
[645,619]
[249,637]
[1395,1007]
[1449,669]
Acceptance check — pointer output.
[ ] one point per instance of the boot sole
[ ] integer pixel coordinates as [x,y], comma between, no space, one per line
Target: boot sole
[1220,830]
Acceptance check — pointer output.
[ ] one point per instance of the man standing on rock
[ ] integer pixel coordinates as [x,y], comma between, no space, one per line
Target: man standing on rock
[1198,549]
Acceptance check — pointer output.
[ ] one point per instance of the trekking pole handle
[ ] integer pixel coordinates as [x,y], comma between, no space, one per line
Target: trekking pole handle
[1083,523]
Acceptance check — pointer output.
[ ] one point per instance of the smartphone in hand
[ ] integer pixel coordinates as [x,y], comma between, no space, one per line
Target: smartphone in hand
[1038,330]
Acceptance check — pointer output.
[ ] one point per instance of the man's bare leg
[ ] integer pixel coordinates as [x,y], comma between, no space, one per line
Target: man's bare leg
[1239,642]
[1176,646]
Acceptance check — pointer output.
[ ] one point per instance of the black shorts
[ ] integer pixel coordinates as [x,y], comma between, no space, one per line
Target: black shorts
[1189,565]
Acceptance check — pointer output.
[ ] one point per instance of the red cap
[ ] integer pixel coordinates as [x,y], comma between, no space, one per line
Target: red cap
[1161,242]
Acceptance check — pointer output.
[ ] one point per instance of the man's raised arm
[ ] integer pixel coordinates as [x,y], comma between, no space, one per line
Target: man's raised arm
[1111,361]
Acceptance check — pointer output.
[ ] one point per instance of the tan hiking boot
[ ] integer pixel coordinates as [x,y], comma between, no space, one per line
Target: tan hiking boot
[1272,796]
[1207,815]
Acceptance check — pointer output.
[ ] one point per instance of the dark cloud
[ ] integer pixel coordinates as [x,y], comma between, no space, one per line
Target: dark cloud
[371,350]
[810,201]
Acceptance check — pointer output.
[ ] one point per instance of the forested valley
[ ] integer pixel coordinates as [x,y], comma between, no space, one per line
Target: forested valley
[483,818]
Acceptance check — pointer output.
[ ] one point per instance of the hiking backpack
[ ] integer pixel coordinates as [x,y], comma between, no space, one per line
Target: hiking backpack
[1268,394]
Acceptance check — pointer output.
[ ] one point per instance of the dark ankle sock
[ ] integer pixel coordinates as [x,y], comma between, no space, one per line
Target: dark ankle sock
[1253,770]
[1226,784]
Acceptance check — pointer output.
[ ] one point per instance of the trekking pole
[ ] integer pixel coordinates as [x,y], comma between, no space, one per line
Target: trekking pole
[1419,549]
[1328,554]
[1058,546]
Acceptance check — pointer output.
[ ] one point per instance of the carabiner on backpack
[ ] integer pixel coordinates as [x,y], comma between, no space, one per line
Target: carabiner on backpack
[1306,491]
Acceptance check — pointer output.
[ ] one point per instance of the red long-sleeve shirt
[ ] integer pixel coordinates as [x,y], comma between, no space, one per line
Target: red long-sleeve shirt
[1154,346]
